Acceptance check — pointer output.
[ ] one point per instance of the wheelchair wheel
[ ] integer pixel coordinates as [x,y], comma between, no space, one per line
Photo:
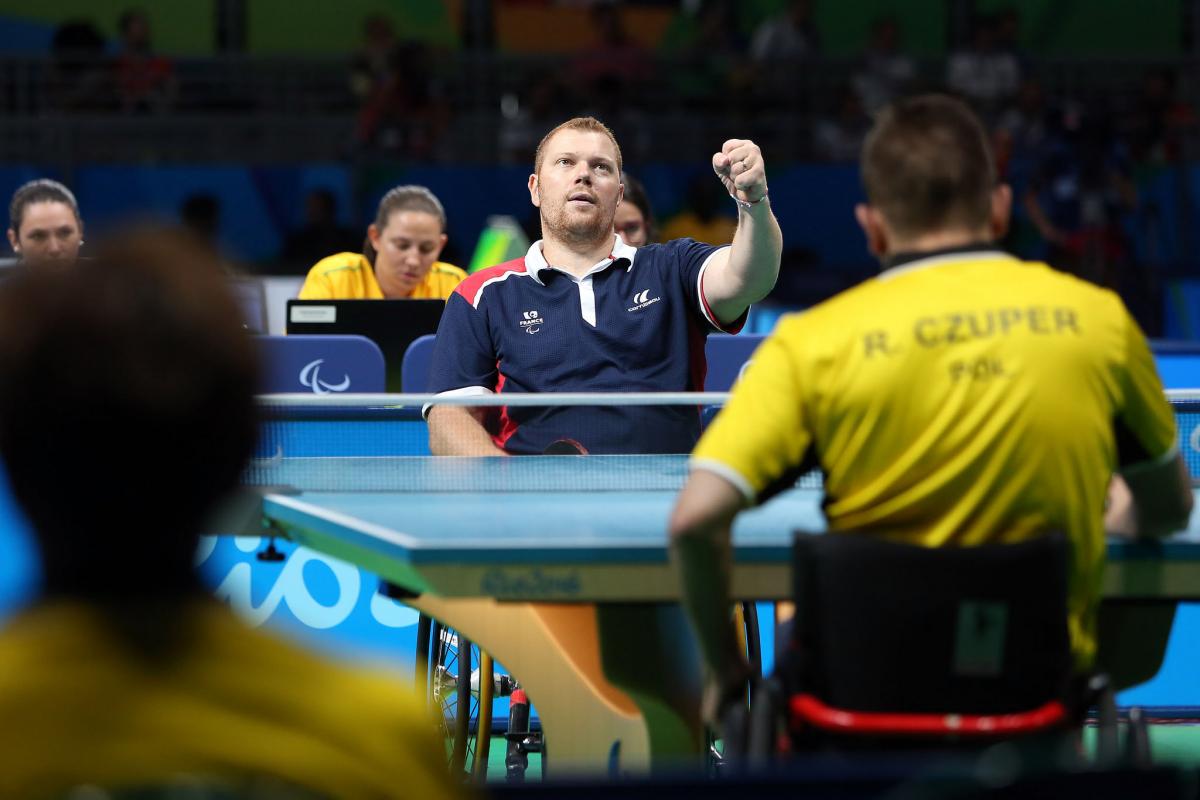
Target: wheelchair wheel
[460,688]
[765,723]
[746,628]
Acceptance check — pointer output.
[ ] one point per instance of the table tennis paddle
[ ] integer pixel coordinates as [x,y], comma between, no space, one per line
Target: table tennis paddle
[565,447]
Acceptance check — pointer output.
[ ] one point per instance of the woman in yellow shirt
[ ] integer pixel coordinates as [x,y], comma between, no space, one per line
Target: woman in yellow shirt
[399,258]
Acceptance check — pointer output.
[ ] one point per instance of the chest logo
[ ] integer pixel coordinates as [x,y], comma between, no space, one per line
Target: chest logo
[643,299]
[531,322]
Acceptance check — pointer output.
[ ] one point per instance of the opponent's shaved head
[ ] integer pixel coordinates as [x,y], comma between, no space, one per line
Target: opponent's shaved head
[927,166]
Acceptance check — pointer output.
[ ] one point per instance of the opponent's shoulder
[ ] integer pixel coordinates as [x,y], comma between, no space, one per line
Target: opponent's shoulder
[472,287]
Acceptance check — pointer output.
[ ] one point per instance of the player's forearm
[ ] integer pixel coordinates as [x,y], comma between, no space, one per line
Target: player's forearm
[752,267]
[457,431]
[756,252]
[702,557]
[1160,499]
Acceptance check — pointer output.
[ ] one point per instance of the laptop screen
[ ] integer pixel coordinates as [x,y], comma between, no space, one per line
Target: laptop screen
[391,324]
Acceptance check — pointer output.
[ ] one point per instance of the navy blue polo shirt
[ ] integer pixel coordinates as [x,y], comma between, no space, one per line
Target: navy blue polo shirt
[636,322]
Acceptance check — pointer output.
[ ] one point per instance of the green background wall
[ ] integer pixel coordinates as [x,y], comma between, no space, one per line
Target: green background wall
[181,27]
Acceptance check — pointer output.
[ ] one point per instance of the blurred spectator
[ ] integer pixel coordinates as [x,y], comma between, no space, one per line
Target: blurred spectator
[1160,120]
[1024,122]
[608,77]
[127,415]
[1080,197]
[839,136]
[404,112]
[705,39]
[707,214]
[321,233]
[372,61]
[982,73]
[634,221]
[77,79]
[886,72]
[788,35]
[144,81]
[44,222]
[1007,33]
[201,214]
[615,58]
[525,117]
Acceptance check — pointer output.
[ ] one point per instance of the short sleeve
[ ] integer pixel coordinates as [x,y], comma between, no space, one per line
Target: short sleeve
[1144,423]
[317,286]
[463,354]
[691,259]
[762,437]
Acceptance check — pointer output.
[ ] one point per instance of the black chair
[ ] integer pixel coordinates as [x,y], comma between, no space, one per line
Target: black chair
[897,645]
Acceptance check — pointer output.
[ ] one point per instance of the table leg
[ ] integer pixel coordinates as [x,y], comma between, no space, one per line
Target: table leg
[648,651]
[553,650]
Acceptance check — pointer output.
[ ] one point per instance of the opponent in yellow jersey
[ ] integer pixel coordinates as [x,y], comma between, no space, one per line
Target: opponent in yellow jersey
[349,276]
[400,258]
[957,399]
[961,397]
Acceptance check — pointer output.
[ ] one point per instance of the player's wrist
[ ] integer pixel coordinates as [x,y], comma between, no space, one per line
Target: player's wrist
[750,205]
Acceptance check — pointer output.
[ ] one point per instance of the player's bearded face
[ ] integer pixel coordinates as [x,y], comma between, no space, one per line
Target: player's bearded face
[579,186]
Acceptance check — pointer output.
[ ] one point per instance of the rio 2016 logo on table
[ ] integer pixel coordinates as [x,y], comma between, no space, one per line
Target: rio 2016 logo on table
[320,592]
[534,582]
[310,377]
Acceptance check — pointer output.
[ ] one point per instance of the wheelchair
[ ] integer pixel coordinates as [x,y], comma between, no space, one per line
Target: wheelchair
[897,647]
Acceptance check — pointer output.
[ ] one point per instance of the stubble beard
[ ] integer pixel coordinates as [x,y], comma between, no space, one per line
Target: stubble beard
[558,224]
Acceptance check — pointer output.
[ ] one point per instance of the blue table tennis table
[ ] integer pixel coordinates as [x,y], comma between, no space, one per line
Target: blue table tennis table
[558,566]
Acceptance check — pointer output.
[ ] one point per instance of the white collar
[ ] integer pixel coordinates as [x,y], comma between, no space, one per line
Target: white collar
[535,259]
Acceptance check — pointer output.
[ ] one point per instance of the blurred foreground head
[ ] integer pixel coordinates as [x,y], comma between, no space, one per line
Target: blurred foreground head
[126,410]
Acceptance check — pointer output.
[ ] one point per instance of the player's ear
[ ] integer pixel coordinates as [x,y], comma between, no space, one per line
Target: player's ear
[373,235]
[535,194]
[441,244]
[874,229]
[1001,210]
[12,241]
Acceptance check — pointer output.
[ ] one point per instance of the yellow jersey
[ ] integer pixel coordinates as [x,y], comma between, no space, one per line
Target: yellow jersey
[232,705]
[349,276]
[962,398]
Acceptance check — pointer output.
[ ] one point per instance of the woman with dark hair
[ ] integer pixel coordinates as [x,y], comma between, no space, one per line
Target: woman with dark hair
[399,258]
[634,221]
[44,222]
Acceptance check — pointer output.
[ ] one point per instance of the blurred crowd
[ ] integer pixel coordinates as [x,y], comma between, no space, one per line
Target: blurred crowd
[1072,148]
[407,94]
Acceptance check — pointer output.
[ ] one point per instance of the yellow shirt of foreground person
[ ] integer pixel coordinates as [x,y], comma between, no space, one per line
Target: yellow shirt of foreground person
[229,706]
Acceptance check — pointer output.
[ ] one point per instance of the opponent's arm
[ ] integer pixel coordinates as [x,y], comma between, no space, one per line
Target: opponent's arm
[459,431]
[1152,493]
[745,272]
[1150,501]
[700,531]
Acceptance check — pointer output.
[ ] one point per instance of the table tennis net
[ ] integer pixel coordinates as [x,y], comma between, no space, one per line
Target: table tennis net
[380,443]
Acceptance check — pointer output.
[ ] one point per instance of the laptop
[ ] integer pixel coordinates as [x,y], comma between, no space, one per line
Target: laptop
[391,324]
[252,300]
